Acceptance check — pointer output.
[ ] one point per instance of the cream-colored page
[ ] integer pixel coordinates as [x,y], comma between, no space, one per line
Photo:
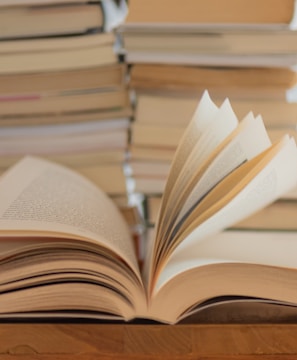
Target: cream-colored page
[203,114]
[249,142]
[220,127]
[227,190]
[276,178]
[43,198]
[201,122]
[244,254]
[257,247]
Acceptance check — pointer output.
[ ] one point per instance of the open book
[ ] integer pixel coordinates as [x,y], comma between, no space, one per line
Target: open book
[67,252]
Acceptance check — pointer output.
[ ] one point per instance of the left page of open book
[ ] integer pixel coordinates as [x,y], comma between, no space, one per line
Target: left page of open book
[62,239]
[40,198]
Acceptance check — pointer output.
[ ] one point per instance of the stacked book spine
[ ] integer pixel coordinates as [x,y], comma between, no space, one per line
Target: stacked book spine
[63,88]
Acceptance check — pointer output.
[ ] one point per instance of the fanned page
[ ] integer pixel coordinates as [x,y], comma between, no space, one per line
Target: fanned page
[205,112]
[264,174]
[244,142]
[210,130]
[257,183]
[241,174]
[215,132]
[238,148]
[202,118]
[40,198]
[248,140]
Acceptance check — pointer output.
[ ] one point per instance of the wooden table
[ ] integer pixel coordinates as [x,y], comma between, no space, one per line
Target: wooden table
[213,338]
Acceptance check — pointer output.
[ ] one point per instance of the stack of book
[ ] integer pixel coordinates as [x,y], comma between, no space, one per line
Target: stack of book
[63,91]
[245,51]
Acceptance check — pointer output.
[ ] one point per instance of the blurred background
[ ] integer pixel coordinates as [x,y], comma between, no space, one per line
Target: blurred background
[107,88]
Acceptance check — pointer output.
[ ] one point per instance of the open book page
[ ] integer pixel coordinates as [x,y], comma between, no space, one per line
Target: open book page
[277,174]
[229,188]
[205,132]
[39,198]
[204,113]
[259,264]
[201,118]
[219,128]
[258,247]
[246,141]
[100,283]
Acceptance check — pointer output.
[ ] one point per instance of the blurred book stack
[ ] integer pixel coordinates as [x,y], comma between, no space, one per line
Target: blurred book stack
[63,88]
[244,50]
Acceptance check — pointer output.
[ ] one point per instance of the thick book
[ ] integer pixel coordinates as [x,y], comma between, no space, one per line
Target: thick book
[112,15]
[211,40]
[176,110]
[27,21]
[66,118]
[38,2]
[67,252]
[243,83]
[193,12]
[65,102]
[211,59]
[95,77]
[57,53]
[240,47]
